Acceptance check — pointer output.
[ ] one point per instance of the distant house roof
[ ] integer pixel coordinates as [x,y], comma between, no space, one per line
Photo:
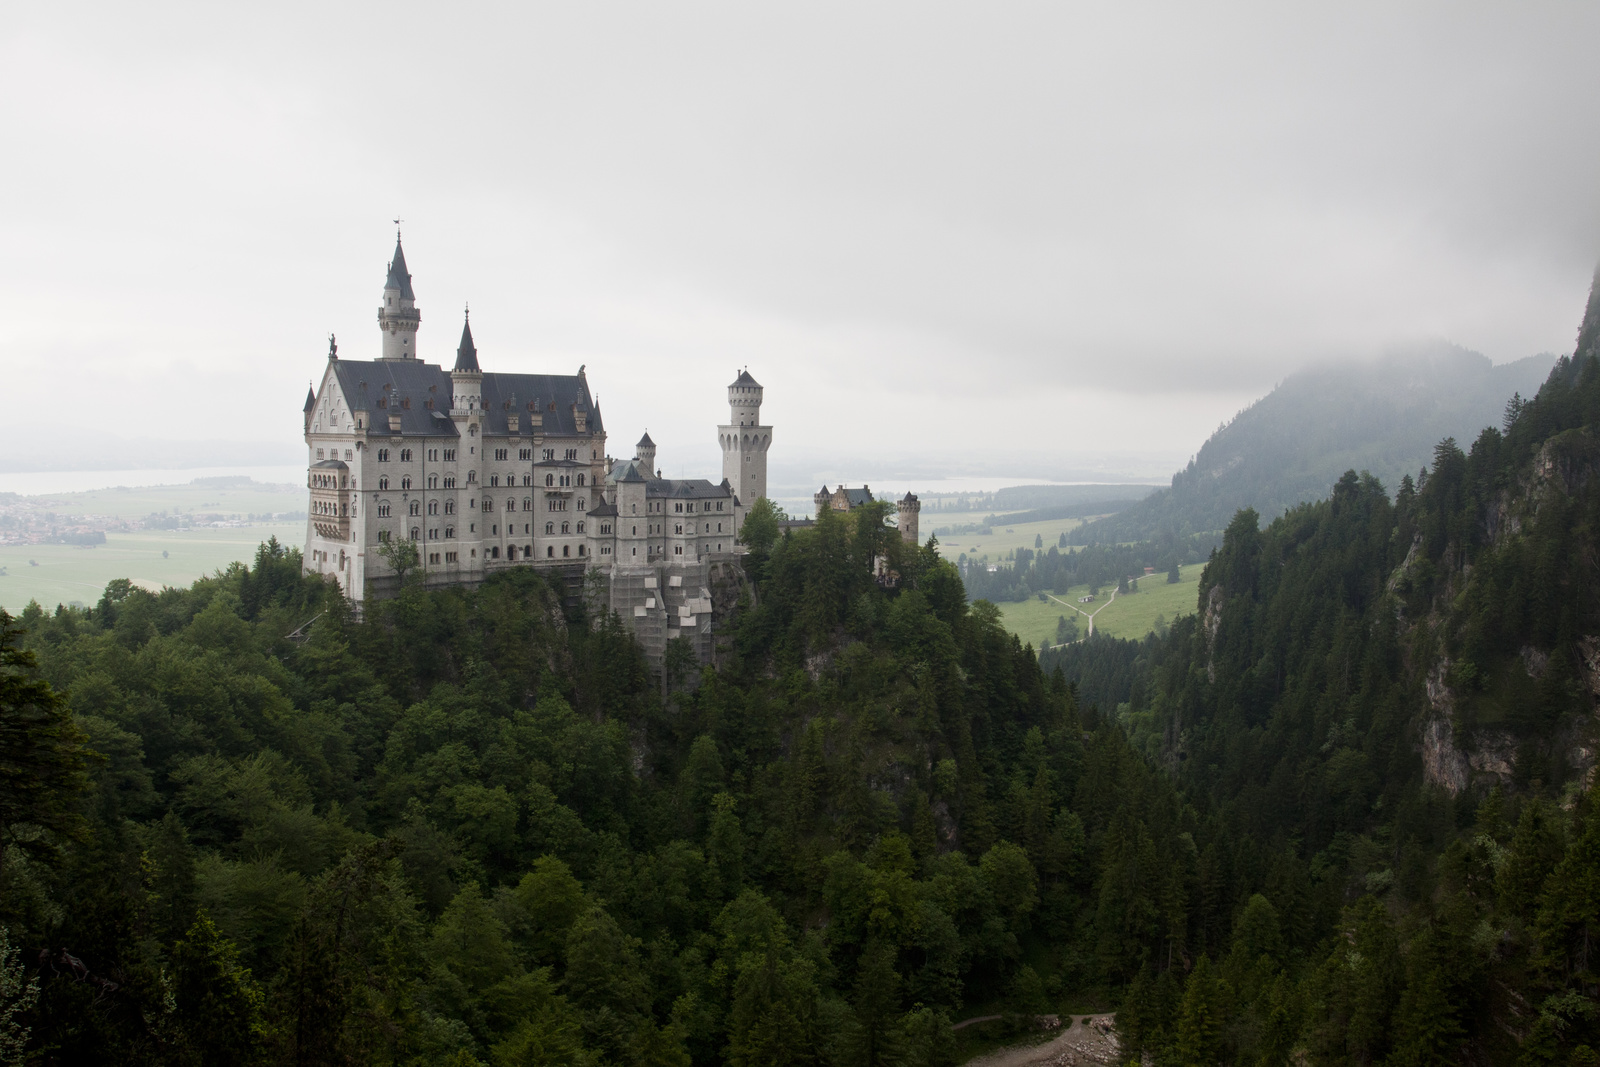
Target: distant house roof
[557,397]
[858,497]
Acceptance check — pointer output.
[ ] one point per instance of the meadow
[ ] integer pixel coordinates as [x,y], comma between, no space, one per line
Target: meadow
[1130,615]
[67,574]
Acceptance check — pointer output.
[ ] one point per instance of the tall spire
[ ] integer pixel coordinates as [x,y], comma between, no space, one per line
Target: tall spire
[399,278]
[467,354]
[398,317]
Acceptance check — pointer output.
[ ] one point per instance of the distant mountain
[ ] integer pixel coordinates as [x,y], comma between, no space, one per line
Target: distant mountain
[1290,446]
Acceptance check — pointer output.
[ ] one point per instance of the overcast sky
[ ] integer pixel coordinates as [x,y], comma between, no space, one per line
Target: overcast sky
[1013,238]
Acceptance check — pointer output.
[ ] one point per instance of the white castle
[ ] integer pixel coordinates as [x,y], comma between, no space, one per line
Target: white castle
[486,471]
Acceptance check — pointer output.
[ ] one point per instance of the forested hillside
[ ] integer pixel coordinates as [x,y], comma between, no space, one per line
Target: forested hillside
[1289,446]
[469,828]
[1384,715]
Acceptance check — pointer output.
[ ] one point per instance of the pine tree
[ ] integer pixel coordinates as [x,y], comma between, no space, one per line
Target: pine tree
[41,754]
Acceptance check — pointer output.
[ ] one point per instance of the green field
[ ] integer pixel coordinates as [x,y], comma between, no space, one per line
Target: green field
[1130,615]
[1004,539]
[68,573]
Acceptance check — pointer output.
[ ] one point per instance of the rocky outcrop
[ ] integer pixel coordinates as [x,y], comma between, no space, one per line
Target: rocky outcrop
[1210,621]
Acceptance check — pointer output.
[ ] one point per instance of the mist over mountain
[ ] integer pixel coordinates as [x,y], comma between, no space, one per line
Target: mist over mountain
[1292,444]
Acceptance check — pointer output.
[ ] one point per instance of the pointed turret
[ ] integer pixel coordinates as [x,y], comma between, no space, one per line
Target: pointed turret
[311,398]
[398,316]
[399,278]
[645,452]
[467,352]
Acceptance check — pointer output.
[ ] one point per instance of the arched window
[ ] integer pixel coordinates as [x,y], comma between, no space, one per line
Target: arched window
[405,482]
[549,479]
[433,507]
[527,504]
[580,479]
[383,482]
[566,527]
[580,527]
[566,550]
[511,504]
[549,527]
[433,481]
[549,551]
[416,507]
[416,534]
[449,531]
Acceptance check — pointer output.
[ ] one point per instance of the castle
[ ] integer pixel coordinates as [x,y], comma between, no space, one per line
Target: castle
[482,471]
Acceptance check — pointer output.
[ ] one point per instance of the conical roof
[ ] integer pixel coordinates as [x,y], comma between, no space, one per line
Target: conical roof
[399,278]
[645,442]
[745,379]
[467,354]
[311,398]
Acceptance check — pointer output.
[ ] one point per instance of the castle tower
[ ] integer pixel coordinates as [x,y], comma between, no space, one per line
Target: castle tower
[645,453]
[745,441]
[398,316]
[907,510]
[466,379]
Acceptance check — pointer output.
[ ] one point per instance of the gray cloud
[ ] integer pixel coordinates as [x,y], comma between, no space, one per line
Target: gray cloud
[932,230]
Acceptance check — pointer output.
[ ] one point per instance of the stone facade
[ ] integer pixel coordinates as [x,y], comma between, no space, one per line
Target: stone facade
[482,471]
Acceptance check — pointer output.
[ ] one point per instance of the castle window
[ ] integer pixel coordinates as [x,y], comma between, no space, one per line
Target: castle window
[405,455]
[319,453]
[524,453]
[527,504]
[348,455]
[494,553]
[449,532]
[433,455]
[472,477]
[580,550]
[494,479]
[383,455]
[405,481]
[416,534]
[677,550]
[566,550]
[566,527]
[582,504]
[580,527]
[449,481]
[501,453]
[678,528]
[580,479]
[488,505]
[449,507]
[572,453]
[383,511]
[449,455]
[383,536]
[549,527]
[383,482]
[549,454]
[433,557]
[451,557]
[416,507]
[527,479]
[433,481]
[550,479]
[678,508]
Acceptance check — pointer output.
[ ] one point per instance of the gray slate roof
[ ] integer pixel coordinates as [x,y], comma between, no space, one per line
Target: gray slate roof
[399,278]
[419,382]
[467,352]
[745,379]
[686,489]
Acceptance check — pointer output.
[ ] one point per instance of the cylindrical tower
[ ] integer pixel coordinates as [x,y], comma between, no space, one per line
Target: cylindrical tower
[398,316]
[745,441]
[908,510]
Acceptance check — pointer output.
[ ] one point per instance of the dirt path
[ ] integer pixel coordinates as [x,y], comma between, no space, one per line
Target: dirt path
[1089,1040]
[1086,614]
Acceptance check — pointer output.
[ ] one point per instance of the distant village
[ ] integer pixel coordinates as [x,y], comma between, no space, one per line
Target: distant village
[30,520]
